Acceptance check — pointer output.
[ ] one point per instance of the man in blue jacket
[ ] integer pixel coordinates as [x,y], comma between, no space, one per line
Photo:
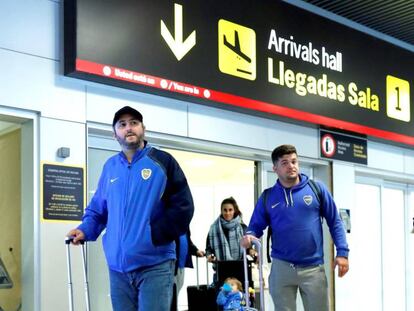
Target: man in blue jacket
[293,211]
[144,203]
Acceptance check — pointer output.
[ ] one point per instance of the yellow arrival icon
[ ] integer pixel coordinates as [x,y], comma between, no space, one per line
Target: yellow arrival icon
[237,50]
[398,99]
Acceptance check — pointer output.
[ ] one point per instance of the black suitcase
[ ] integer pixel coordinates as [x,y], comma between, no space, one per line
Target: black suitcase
[201,297]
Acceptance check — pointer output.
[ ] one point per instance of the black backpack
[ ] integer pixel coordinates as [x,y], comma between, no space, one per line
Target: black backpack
[316,190]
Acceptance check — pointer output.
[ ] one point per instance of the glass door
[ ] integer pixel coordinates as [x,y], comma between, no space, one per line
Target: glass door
[317,171]
[409,234]
[393,247]
[365,245]
[383,248]
[213,178]
[97,268]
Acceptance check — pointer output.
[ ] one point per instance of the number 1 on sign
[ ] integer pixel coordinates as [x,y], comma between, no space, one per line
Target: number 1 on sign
[398,99]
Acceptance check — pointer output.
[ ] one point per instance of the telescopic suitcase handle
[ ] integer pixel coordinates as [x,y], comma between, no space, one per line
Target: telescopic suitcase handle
[68,241]
[197,272]
[246,275]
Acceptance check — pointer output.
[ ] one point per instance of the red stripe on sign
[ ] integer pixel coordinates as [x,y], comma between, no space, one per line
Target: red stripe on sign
[234,100]
[140,78]
[308,117]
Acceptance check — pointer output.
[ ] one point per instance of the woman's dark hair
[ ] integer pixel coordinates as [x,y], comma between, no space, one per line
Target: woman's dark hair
[233,202]
[282,150]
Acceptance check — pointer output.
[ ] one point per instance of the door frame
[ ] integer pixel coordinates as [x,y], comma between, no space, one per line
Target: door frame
[28,121]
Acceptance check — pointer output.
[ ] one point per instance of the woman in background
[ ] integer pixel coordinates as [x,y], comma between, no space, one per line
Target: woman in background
[223,240]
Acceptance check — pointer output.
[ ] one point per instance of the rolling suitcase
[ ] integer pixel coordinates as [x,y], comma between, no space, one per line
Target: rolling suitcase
[68,241]
[246,278]
[201,297]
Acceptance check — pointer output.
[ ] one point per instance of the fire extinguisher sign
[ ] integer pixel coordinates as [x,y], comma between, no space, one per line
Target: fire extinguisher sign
[343,147]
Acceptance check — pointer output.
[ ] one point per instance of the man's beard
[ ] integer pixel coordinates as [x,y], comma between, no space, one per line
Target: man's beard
[130,144]
[291,177]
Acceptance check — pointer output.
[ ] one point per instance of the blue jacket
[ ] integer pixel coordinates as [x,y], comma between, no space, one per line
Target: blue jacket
[191,251]
[294,215]
[230,300]
[144,206]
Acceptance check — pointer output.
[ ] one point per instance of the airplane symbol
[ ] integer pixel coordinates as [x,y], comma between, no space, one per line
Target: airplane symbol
[236,49]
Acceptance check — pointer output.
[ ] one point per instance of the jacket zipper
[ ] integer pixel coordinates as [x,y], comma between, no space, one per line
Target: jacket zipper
[124,216]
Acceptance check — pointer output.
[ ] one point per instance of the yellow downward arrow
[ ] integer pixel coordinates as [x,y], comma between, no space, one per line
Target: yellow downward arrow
[176,43]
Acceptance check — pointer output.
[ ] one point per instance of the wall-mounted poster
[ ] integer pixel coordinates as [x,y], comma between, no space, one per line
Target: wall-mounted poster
[63,192]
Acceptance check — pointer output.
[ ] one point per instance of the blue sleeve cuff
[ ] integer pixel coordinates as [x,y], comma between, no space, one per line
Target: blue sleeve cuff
[342,253]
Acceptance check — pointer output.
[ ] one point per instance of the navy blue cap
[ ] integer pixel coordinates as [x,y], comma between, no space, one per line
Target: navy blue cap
[127,110]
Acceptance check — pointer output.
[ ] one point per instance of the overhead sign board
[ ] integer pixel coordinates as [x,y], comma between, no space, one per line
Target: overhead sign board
[262,56]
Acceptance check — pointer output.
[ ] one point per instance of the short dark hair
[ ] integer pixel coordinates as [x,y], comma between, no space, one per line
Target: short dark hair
[282,150]
[233,202]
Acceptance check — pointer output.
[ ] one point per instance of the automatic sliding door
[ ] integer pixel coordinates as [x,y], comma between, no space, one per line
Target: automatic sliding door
[366,249]
[382,247]
[317,172]
[97,268]
[212,179]
[393,248]
[410,249]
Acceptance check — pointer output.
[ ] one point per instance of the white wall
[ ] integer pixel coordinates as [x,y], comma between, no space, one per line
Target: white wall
[32,81]
[55,134]
[199,122]
[390,158]
[32,27]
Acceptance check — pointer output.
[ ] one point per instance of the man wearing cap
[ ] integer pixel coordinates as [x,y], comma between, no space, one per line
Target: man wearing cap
[144,203]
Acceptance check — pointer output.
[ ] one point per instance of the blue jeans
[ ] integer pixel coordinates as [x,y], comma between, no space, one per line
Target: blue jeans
[147,288]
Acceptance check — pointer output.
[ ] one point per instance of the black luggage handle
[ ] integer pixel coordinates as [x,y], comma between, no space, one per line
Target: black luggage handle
[69,239]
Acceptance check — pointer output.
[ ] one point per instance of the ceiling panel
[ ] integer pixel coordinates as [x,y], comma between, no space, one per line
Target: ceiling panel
[394,18]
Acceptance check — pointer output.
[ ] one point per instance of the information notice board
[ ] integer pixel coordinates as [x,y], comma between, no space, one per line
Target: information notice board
[337,146]
[63,193]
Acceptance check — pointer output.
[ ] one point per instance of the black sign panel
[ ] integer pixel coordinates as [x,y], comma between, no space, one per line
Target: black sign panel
[63,192]
[343,147]
[263,56]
